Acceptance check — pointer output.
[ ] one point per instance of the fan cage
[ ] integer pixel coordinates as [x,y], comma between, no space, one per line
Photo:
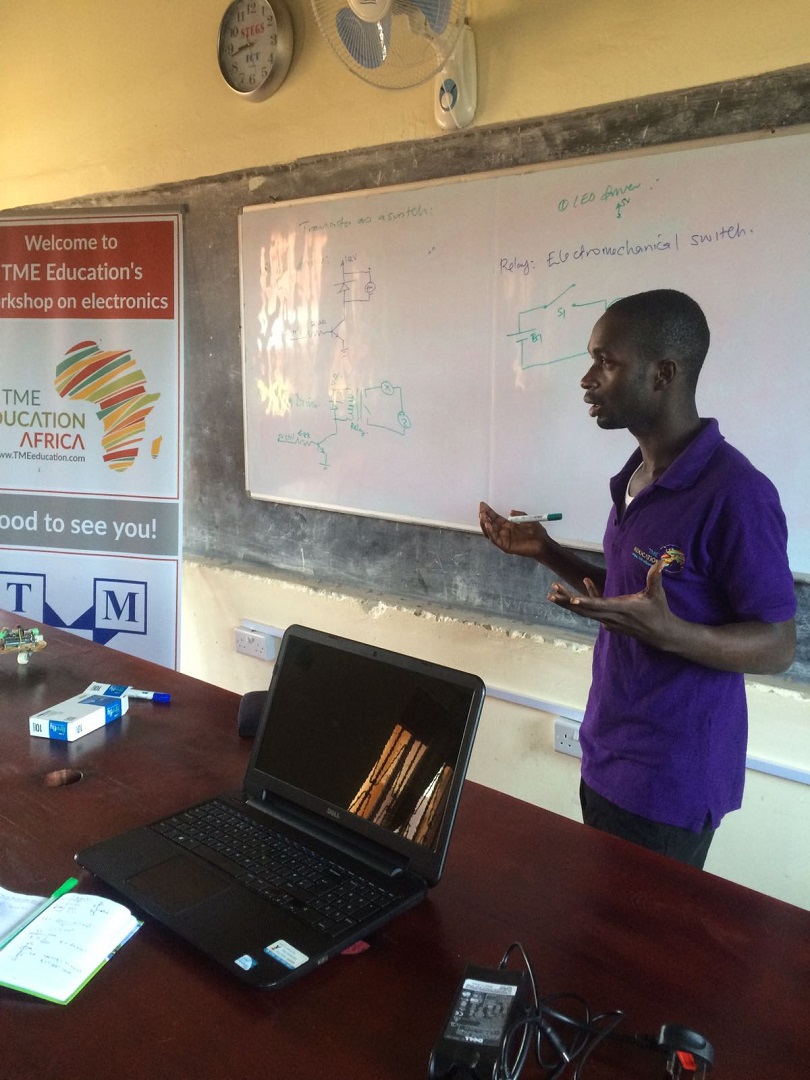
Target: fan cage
[401,51]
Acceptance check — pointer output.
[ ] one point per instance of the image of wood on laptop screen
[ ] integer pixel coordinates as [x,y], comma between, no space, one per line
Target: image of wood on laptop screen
[373,738]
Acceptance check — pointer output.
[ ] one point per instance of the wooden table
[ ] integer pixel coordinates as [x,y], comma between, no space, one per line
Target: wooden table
[622,927]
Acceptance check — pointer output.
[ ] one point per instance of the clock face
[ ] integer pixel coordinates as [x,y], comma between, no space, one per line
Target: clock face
[255,46]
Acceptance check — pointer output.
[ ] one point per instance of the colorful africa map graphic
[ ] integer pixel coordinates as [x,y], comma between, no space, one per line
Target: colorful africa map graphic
[108,380]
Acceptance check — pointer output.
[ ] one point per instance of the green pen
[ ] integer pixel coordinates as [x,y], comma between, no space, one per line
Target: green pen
[65,887]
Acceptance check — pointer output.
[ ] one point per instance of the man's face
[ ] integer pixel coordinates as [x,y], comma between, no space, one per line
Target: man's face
[619,385]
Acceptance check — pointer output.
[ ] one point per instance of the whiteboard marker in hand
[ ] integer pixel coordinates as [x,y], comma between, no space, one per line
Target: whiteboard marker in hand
[524,519]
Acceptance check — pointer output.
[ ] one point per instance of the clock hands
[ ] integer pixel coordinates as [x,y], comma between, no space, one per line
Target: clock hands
[242,48]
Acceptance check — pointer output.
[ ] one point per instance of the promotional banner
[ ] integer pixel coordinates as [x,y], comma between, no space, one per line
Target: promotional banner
[91,427]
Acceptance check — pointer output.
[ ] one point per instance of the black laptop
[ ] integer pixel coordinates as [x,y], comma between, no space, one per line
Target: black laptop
[342,823]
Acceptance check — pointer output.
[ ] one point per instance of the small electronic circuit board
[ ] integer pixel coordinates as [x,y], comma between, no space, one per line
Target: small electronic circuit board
[22,642]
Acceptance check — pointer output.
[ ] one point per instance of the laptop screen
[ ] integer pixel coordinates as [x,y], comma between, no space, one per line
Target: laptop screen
[375,740]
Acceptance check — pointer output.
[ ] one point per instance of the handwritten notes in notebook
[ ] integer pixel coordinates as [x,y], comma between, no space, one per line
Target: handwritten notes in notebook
[54,956]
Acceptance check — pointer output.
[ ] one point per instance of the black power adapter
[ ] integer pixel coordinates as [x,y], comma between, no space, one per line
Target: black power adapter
[498,1016]
[487,1005]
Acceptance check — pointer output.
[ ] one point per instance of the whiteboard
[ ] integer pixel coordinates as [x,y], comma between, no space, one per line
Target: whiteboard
[410,351]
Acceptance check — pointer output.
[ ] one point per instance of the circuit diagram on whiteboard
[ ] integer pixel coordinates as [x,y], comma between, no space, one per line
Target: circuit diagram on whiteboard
[355,286]
[345,408]
[356,411]
[557,330]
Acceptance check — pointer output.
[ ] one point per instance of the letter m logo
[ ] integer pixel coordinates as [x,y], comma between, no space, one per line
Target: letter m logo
[119,605]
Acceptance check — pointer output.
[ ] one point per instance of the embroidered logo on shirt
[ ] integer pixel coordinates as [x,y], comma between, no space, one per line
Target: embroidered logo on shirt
[674,558]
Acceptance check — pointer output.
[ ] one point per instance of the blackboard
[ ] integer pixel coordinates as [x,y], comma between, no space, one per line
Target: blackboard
[410,351]
[384,561]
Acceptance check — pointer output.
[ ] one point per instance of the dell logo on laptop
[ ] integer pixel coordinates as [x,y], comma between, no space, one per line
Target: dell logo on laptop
[333,813]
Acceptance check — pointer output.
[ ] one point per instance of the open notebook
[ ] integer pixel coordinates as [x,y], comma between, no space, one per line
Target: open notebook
[343,820]
[51,947]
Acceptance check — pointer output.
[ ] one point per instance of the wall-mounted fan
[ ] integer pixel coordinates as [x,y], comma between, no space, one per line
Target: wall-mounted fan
[395,44]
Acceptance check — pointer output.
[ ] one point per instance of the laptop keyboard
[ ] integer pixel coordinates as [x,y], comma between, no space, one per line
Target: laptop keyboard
[286,872]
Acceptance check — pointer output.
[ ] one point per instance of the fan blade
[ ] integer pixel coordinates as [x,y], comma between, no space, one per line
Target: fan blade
[437,13]
[367,43]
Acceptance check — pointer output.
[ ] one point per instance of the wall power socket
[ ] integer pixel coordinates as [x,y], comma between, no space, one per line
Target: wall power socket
[255,642]
[566,736]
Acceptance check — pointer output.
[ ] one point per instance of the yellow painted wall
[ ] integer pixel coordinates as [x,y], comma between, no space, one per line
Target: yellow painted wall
[103,96]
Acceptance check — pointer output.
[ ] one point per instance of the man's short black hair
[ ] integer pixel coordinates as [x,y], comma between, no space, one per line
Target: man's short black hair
[665,322]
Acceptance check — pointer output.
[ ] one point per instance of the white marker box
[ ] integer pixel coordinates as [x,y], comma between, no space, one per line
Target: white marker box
[77,716]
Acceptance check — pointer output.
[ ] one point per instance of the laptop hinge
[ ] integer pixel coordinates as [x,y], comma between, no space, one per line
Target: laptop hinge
[371,854]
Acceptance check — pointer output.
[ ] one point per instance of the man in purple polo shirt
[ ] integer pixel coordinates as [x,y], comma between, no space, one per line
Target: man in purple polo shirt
[696,589]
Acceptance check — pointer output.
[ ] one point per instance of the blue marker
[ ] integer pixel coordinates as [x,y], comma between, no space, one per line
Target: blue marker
[117,690]
[525,518]
[149,695]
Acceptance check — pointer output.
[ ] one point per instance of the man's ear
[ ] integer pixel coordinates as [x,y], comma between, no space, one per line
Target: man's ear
[665,375]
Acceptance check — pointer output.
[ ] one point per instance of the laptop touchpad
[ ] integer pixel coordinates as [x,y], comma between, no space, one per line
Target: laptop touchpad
[178,883]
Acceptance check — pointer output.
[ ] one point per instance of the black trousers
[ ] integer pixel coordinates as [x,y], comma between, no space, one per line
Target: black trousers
[680,844]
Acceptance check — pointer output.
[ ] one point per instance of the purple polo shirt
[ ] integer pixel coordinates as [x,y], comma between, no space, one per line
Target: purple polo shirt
[664,737]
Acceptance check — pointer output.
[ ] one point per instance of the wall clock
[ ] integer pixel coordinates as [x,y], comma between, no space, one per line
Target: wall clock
[255,47]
